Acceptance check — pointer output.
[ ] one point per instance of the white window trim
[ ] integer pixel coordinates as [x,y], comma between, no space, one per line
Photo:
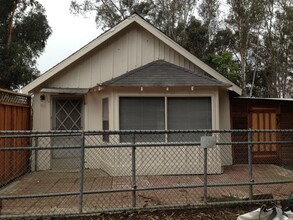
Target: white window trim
[213,95]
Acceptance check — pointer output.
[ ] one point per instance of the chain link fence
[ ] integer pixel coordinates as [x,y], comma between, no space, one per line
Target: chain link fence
[80,172]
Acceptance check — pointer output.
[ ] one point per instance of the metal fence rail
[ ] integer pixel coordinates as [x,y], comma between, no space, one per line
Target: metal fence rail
[79,172]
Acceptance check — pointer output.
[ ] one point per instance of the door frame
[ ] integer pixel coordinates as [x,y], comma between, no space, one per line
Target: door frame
[64,163]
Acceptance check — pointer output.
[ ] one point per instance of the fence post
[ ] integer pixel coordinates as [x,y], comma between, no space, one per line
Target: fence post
[36,153]
[205,170]
[81,172]
[250,176]
[133,179]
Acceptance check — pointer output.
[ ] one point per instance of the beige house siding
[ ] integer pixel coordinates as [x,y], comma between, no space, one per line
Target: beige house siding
[224,120]
[131,49]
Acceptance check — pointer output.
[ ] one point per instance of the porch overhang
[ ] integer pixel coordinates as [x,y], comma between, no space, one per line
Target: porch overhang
[73,91]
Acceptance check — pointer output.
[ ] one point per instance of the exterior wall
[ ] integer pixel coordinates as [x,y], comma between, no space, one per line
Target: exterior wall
[161,161]
[224,112]
[133,48]
[118,161]
[41,122]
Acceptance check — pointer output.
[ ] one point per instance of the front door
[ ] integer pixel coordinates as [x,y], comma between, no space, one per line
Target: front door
[264,119]
[67,115]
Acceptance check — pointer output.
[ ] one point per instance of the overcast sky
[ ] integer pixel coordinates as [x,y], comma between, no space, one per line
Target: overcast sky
[69,33]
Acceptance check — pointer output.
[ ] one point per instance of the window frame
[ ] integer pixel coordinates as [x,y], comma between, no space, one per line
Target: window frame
[54,97]
[105,123]
[213,98]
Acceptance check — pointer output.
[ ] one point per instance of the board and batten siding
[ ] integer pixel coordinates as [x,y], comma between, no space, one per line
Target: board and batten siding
[133,48]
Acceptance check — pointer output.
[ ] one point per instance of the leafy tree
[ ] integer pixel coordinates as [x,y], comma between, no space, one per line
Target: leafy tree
[24,31]
[270,57]
[197,38]
[170,16]
[215,52]
[224,64]
[209,13]
[245,16]
[278,56]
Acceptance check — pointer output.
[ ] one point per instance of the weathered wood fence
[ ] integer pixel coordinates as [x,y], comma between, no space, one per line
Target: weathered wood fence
[15,114]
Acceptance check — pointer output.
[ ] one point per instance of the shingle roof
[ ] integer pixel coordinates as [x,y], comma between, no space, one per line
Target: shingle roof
[161,73]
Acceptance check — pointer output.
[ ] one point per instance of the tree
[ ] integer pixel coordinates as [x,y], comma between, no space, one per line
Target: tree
[170,16]
[209,13]
[270,57]
[278,56]
[224,64]
[245,16]
[24,31]
[197,38]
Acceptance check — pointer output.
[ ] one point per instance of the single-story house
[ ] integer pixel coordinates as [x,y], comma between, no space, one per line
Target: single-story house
[130,75]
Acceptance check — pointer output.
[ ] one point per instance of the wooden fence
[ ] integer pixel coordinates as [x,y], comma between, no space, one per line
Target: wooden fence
[15,112]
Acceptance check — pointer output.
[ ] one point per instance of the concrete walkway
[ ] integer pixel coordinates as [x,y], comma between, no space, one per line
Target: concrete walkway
[48,182]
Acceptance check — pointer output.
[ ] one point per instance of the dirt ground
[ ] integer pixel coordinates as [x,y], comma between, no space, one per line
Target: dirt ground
[223,213]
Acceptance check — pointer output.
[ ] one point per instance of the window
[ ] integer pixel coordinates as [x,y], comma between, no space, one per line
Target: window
[142,114]
[148,113]
[105,115]
[67,114]
[188,114]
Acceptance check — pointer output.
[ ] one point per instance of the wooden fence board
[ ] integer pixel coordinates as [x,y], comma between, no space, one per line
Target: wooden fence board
[14,115]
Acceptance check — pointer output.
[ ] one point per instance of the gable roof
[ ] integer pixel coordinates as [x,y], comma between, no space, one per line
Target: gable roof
[162,73]
[113,31]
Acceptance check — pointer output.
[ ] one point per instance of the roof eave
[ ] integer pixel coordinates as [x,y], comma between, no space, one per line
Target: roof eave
[163,86]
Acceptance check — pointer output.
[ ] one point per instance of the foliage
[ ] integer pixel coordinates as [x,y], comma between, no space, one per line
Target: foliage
[224,64]
[24,31]
[278,41]
[244,16]
[170,16]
